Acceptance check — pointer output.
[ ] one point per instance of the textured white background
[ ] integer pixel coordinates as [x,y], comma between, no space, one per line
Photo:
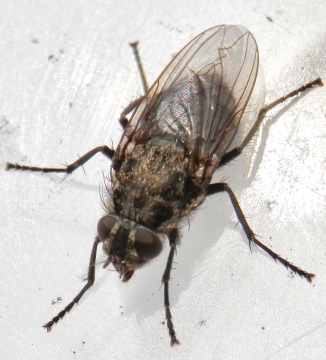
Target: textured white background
[227,303]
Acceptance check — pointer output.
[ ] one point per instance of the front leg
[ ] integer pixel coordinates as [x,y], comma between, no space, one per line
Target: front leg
[165,281]
[90,282]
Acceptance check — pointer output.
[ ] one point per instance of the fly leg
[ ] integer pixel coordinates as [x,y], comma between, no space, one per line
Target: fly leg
[90,282]
[69,168]
[132,106]
[105,150]
[165,282]
[134,46]
[231,155]
[220,187]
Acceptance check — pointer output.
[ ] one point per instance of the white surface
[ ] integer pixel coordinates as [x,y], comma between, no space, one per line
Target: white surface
[226,303]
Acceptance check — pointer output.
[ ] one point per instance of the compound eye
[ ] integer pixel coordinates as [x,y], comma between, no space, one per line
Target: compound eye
[105,225]
[147,244]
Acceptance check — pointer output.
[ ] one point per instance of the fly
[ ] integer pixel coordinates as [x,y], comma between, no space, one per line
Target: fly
[184,128]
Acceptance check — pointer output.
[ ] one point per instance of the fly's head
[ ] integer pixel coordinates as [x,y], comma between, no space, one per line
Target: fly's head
[127,244]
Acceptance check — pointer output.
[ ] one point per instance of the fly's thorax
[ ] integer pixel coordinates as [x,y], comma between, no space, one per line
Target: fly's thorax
[152,185]
[127,244]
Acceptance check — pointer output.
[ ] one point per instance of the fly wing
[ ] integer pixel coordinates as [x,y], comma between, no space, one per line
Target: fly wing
[200,96]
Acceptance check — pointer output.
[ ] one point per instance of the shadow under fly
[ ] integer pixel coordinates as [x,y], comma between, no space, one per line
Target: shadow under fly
[184,128]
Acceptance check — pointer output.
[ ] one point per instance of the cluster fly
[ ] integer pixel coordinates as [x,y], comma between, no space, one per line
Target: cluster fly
[182,130]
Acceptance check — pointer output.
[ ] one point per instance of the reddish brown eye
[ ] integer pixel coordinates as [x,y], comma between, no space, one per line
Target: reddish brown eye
[105,225]
[147,244]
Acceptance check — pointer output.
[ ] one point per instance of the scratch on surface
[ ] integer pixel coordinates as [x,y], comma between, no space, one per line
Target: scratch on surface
[297,339]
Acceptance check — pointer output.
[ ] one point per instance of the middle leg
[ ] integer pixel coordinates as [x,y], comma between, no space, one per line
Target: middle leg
[221,187]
